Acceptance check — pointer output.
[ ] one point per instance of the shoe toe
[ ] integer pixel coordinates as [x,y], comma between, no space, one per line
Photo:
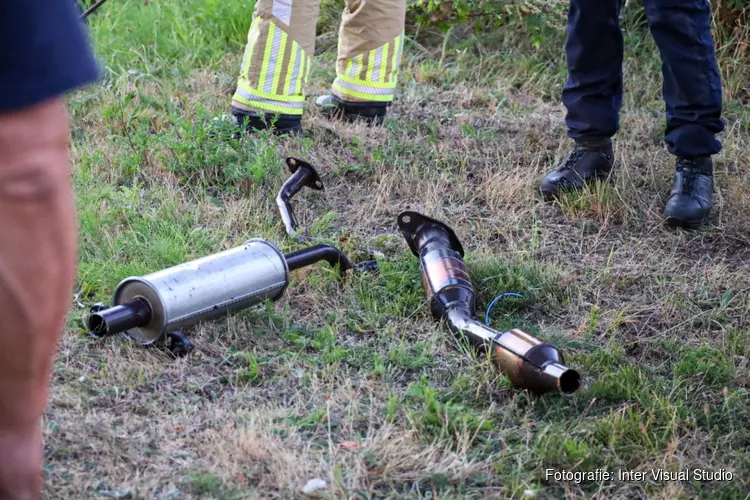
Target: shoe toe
[557,181]
[682,210]
[548,186]
[324,100]
[327,103]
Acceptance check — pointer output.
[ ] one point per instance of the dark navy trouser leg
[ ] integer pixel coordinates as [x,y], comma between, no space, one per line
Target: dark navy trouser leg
[593,92]
[692,84]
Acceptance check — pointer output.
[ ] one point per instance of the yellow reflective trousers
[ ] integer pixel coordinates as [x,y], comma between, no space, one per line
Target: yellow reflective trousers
[281,43]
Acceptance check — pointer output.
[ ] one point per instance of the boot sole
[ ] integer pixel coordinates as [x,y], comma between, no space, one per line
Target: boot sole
[685,224]
[354,118]
[552,195]
[275,131]
[332,112]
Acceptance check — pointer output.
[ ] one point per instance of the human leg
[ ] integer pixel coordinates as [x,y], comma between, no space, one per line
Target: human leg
[276,65]
[592,93]
[371,41]
[693,97]
[37,270]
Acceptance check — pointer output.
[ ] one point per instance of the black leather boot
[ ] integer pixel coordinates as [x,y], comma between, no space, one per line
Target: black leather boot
[372,113]
[280,124]
[589,160]
[689,203]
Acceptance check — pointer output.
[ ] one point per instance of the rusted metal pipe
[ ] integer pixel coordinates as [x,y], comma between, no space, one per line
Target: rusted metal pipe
[529,362]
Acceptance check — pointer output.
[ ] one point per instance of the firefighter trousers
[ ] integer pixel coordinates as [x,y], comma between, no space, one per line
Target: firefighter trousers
[281,43]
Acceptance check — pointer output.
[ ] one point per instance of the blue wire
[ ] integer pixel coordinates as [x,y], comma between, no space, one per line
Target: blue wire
[494,301]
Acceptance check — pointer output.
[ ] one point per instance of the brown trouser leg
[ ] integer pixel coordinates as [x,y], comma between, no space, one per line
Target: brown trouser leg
[371,42]
[281,43]
[278,57]
[37,269]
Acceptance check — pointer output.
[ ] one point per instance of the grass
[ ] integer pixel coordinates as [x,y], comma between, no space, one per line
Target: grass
[352,381]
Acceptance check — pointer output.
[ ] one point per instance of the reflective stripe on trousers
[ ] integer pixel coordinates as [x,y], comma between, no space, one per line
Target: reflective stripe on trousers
[274,70]
[281,41]
[371,76]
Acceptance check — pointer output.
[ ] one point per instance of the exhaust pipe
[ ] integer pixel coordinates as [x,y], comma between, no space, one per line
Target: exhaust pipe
[150,307]
[153,308]
[305,175]
[133,314]
[308,256]
[529,362]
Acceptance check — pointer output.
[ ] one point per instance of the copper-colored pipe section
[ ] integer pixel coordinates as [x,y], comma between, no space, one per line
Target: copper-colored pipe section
[529,362]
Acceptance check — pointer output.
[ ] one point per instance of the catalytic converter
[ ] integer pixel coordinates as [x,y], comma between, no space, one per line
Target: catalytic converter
[529,362]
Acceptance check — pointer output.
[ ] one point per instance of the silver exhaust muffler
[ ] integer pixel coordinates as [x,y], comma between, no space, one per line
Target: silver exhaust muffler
[156,306]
